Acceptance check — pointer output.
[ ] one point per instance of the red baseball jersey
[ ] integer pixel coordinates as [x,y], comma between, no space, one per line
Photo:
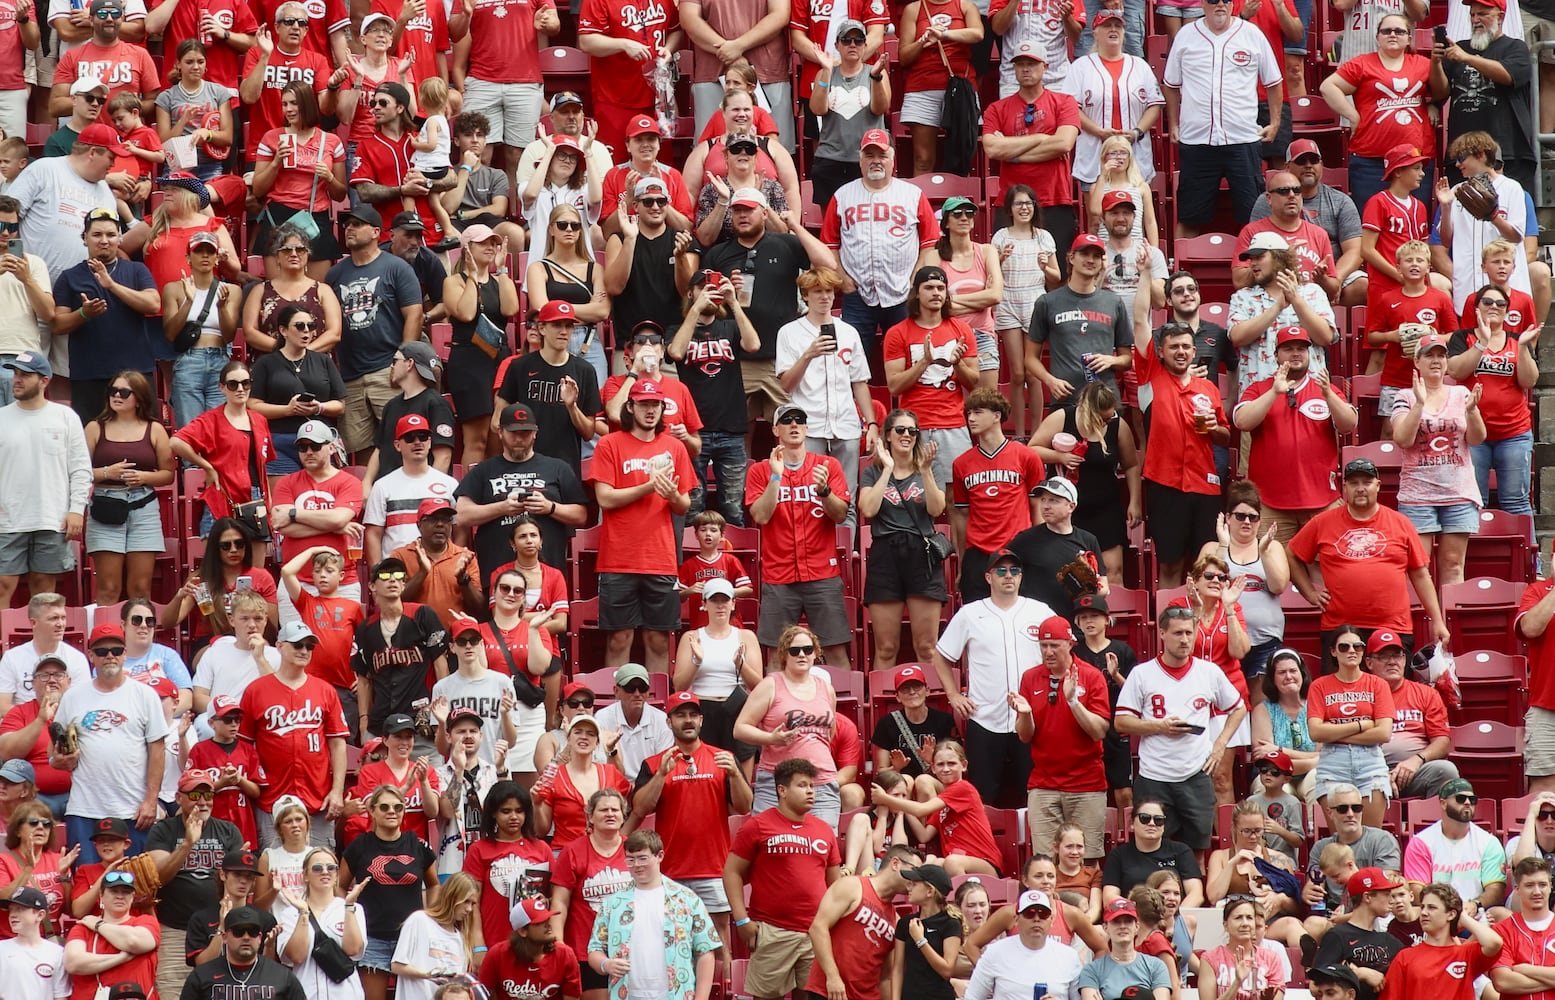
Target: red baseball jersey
[1396,221]
[996,488]
[290,729]
[230,803]
[799,544]
[695,570]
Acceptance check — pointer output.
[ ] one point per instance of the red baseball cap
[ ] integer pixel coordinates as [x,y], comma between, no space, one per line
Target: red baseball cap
[1369,880]
[1403,155]
[1112,199]
[224,705]
[642,125]
[1119,908]
[98,134]
[410,423]
[1383,639]
[557,311]
[576,687]
[680,698]
[161,685]
[107,630]
[1291,334]
[645,389]
[876,137]
[1088,241]
[462,623]
[196,777]
[1430,342]
[1497,4]
[910,674]
[1302,147]
[1278,757]
[433,505]
[1056,627]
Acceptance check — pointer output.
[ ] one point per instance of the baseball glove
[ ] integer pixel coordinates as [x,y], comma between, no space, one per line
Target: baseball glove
[1409,335]
[147,881]
[1478,197]
[1078,576]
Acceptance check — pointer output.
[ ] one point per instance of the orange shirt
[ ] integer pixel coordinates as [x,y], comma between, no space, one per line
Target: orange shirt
[440,590]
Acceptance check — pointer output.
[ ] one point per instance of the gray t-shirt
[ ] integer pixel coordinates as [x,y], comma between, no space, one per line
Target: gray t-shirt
[1122,274]
[902,509]
[1375,849]
[55,203]
[371,297]
[483,696]
[1072,325]
[844,126]
[1110,978]
[209,97]
[1331,211]
[485,183]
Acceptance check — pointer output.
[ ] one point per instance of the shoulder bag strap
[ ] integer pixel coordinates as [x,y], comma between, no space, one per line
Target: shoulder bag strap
[507,654]
[900,718]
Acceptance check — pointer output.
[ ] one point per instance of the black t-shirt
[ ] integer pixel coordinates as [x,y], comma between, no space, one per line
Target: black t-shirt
[195,886]
[919,980]
[777,260]
[497,477]
[1127,866]
[1479,104]
[266,980]
[650,287]
[902,505]
[532,380]
[205,925]
[394,870]
[1348,944]
[428,403]
[398,672]
[277,379]
[888,735]
[711,373]
[1042,553]
[1127,660]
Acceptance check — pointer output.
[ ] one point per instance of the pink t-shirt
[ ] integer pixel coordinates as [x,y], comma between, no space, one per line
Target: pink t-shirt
[813,717]
[1437,467]
[1267,973]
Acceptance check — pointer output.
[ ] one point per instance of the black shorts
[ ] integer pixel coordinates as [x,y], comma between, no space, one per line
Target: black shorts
[592,980]
[1179,523]
[1275,151]
[974,575]
[1201,170]
[897,568]
[638,600]
[1190,806]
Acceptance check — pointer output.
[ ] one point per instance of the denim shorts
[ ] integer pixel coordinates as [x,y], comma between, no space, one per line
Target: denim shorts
[1453,518]
[987,350]
[140,532]
[378,955]
[1364,767]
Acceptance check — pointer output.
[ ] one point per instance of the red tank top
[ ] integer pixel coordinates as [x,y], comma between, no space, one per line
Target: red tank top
[860,942]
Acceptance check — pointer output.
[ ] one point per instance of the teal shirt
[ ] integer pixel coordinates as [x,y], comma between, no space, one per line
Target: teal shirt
[688,934]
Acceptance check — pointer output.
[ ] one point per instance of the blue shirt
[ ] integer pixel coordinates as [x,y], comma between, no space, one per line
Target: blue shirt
[160,658]
[118,340]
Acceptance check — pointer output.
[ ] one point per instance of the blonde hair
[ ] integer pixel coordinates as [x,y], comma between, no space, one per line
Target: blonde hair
[460,888]
[1135,178]
[251,601]
[172,197]
[1095,398]
[1419,246]
[1335,855]
[433,94]
[1497,247]
[550,234]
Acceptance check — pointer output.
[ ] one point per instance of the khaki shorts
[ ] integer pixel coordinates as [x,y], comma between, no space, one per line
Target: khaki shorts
[1536,30]
[779,961]
[365,400]
[38,69]
[763,392]
[1288,522]
[1539,742]
[1049,810]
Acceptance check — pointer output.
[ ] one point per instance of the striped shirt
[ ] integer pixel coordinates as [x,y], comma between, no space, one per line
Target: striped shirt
[878,235]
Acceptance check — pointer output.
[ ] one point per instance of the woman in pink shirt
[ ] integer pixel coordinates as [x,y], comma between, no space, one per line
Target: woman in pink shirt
[792,713]
[1241,969]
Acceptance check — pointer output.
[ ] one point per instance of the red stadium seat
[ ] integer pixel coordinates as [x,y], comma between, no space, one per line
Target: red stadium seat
[940,186]
[1493,686]
[1514,814]
[16,627]
[852,690]
[1209,257]
[565,68]
[1132,621]
[1007,833]
[1490,755]
[1312,118]
[1421,813]
[1480,612]
[1303,631]
[584,549]
[1366,394]
[1501,548]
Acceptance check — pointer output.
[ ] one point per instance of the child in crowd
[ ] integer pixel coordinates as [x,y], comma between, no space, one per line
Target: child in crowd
[146,155]
[332,618]
[713,560]
[13,160]
[431,145]
[236,766]
[1115,659]
[1283,831]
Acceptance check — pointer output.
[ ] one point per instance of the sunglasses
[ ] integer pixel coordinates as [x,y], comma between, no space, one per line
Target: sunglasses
[320,869]
[1287,190]
[906,430]
[1545,815]
[636,687]
[292,250]
[962,213]
[92,99]
[40,821]
[1349,808]
[382,102]
[119,878]
[390,807]
[308,325]
[1308,161]
[238,384]
[1349,647]
[392,574]
[108,14]
[1031,114]
[1392,31]
[647,338]
[1007,570]
[852,40]
[1151,819]
[1276,772]
[1185,290]
[1245,517]
[468,640]
[1465,800]
[291,22]
[1215,577]
[140,620]
[1035,913]
[648,203]
[1177,612]
[1494,303]
[204,796]
[1117,262]
[508,588]
[245,932]
[580,703]
[107,650]
[10,227]
[119,392]
[568,225]
[792,418]
[805,650]
[304,446]
[233,545]
[416,437]
[305,646]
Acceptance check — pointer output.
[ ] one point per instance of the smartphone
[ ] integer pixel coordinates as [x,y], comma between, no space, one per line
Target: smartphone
[14,248]
[830,330]
[245,583]
[1439,34]
[307,397]
[1195,730]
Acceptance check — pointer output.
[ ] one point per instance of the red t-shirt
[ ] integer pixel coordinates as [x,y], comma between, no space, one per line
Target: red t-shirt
[221,60]
[504,46]
[230,803]
[333,621]
[375,773]
[1310,241]
[144,137]
[1541,649]
[126,68]
[50,780]
[679,407]
[963,825]
[427,35]
[45,878]
[1392,104]
[140,969]
[1391,309]
[1365,566]
[517,639]
[554,974]
[1395,222]
[788,863]
[799,543]
[813,19]
[1182,459]
[936,397]
[294,181]
[341,490]
[692,814]
[1295,453]
[309,65]
[325,17]
[640,537]
[1443,972]
[11,77]
[698,570]
[1052,180]
[618,79]
[382,160]
[860,942]
[1503,403]
[1418,713]
[615,186]
[291,730]
[567,805]
[503,869]
[847,749]
[1522,945]
[591,878]
[1002,485]
[1063,757]
[1520,315]
[1330,699]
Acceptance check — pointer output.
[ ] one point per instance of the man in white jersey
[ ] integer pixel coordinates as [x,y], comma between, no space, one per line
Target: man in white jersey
[1211,85]
[1000,638]
[1168,702]
[881,228]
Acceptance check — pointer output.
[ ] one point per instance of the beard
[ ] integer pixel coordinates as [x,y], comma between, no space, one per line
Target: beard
[1481,40]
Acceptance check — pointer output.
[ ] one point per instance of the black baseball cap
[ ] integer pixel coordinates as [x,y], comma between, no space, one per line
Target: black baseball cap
[399,722]
[1341,974]
[1361,467]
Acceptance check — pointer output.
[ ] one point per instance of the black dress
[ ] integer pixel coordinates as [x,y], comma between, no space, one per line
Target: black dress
[471,372]
[1101,509]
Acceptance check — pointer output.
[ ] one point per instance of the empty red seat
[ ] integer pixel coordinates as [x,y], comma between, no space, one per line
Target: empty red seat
[1501,548]
[1209,257]
[1389,460]
[1480,613]
[1493,685]
[1490,755]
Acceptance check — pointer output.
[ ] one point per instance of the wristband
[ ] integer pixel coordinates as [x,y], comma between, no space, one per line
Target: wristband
[823,492]
[776,478]
[877,77]
[478,949]
[742,921]
[822,83]
[920,942]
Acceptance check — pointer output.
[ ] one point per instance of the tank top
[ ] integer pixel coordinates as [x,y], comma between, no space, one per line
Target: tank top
[1182,941]
[927,73]
[140,452]
[1098,473]
[813,719]
[1265,617]
[1287,732]
[559,286]
[488,304]
[971,279]
[271,302]
[860,943]
[717,676]
[211,325]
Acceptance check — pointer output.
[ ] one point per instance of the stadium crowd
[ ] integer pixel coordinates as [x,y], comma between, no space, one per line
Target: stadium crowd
[461,519]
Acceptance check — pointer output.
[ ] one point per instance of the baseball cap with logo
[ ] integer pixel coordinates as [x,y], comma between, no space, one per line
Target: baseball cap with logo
[410,222]
[1291,335]
[195,777]
[645,390]
[1119,198]
[111,827]
[98,134]
[31,898]
[107,630]
[462,623]
[1403,155]
[1033,897]
[564,98]
[876,138]
[1383,639]
[1003,555]
[642,125]
[411,423]
[465,714]
[909,674]
[240,861]
[30,361]
[529,910]
[1369,880]
[1275,757]
[126,991]
[1060,487]
[1056,629]
[748,197]
[433,506]
[1429,342]
[1119,908]
[1091,602]
[205,238]
[17,771]
[1303,147]
[224,705]
[646,187]
[557,311]
[1028,50]
[420,354]
[297,631]
[518,417]
[1088,241]
[318,432]
[161,684]
[1262,243]
[399,722]
[680,699]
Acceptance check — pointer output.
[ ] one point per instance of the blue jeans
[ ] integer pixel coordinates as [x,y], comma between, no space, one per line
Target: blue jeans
[7,397]
[79,829]
[868,319]
[726,453]
[1512,458]
[1366,180]
[1133,28]
[595,355]
[196,382]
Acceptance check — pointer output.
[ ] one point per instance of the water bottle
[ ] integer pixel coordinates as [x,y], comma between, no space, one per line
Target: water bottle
[1038,991]
[1315,876]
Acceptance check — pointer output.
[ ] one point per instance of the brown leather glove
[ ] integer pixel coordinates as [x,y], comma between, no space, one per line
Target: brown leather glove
[1478,197]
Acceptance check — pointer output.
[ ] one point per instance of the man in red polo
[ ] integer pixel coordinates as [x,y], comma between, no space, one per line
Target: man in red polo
[1294,418]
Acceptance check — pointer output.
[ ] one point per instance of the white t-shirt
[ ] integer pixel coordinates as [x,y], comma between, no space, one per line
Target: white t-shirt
[426,945]
[825,391]
[650,974]
[315,984]
[172,769]
[482,695]
[227,670]
[17,664]
[1000,646]
[394,499]
[35,972]
[55,202]
[114,728]
[1154,692]
[45,469]
[1469,237]
[1008,970]
[19,329]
